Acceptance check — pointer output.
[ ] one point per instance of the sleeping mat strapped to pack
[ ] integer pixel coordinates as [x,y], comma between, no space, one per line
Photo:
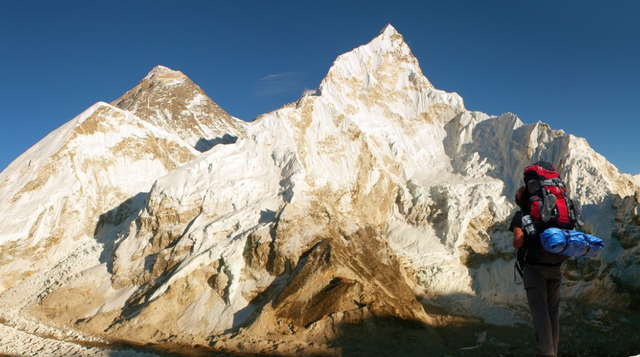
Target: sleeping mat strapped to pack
[571,243]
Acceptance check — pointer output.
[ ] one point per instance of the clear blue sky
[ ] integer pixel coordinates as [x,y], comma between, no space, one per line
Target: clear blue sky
[572,64]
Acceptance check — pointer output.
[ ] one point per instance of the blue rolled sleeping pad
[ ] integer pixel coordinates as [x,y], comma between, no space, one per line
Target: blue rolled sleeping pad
[571,243]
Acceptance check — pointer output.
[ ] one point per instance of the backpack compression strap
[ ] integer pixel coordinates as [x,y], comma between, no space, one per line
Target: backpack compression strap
[535,185]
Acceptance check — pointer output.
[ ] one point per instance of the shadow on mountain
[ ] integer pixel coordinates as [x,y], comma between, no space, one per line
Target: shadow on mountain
[388,336]
[587,324]
[585,331]
[451,335]
[114,222]
[267,216]
[355,312]
[206,144]
[457,336]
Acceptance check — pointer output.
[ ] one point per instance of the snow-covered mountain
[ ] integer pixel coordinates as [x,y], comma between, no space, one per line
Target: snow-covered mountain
[53,194]
[377,206]
[170,100]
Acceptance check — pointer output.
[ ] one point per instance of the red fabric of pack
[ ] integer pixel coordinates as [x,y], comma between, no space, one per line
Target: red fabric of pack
[542,179]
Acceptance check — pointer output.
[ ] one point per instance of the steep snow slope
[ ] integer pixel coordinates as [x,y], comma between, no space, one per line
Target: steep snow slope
[53,194]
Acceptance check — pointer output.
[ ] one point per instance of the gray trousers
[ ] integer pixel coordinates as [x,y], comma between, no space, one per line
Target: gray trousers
[542,284]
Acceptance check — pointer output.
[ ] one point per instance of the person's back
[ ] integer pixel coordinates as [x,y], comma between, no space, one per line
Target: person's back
[542,285]
[544,235]
[541,270]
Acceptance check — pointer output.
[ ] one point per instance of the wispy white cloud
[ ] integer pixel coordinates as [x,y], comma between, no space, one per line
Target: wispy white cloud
[279,83]
[308,91]
[280,76]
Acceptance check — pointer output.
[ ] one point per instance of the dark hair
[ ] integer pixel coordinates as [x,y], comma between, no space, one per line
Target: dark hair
[522,197]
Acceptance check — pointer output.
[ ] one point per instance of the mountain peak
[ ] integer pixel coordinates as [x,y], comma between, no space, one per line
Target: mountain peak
[390,39]
[379,68]
[170,100]
[165,74]
[388,31]
[388,50]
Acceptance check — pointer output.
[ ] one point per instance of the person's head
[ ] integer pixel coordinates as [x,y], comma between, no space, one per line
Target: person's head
[522,197]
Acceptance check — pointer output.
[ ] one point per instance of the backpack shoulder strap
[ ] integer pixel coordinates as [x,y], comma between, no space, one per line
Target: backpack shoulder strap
[518,267]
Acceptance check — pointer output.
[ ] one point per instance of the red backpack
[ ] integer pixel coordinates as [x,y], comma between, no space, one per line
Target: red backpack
[549,205]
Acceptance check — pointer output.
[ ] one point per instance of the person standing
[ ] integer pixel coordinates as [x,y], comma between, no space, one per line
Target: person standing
[541,282]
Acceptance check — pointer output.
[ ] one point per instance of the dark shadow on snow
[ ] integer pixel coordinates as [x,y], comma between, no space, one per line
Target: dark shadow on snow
[206,144]
[115,223]
[267,216]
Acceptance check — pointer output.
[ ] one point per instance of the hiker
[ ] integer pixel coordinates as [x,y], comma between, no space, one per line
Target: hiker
[544,236]
[542,284]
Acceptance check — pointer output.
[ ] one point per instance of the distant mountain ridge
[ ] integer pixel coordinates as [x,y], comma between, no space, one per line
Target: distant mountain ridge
[369,216]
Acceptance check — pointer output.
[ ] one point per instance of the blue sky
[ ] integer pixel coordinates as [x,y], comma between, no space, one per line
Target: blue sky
[571,64]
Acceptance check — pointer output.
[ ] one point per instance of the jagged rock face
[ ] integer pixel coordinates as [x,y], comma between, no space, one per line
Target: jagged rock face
[345,214]
[501,147]
[170,100]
